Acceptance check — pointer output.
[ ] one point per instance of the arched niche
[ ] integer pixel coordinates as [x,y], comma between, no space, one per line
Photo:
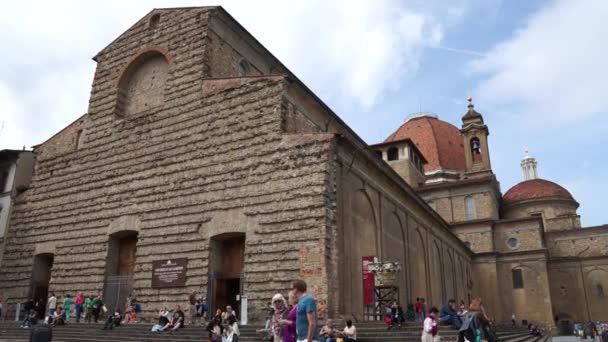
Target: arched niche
[596,283]
[418,265]
[362,243]
[460,279]
[436,275]
[141,85]
[448,271]
[394,248]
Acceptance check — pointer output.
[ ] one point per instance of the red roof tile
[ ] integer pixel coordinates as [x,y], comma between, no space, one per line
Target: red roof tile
[535,189]
[440,142]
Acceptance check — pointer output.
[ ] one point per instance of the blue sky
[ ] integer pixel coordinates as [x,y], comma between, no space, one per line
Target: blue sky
[535,69]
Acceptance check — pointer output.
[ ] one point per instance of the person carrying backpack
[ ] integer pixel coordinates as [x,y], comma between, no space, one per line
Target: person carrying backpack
[475,324]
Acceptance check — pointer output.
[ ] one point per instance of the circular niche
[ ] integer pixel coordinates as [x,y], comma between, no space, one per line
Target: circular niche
[513,243]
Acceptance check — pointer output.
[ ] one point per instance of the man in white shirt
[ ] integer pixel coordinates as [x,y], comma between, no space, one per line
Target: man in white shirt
[51,304]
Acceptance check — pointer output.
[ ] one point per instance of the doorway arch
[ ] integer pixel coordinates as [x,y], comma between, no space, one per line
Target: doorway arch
[120,268]
[226,262]
[41,277]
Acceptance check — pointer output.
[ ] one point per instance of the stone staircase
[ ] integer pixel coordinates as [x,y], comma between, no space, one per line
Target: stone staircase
[367,332]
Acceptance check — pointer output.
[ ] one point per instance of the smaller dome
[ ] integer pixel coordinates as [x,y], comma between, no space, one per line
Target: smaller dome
[535,189]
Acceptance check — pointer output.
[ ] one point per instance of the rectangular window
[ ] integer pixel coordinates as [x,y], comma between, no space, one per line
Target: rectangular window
[518,280]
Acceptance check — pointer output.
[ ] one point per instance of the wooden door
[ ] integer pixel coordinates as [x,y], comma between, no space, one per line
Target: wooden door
[126,256]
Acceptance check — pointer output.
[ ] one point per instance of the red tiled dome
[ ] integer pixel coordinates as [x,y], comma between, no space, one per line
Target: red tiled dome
[439,142]
[535,189]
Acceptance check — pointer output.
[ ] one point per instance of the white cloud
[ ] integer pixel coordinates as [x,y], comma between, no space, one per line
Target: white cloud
[347,51]
[554,67]
[354,50]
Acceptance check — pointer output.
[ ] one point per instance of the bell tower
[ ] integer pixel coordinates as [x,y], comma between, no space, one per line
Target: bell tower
[475,141]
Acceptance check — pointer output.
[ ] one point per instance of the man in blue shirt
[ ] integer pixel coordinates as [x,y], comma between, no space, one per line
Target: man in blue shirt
[306,317]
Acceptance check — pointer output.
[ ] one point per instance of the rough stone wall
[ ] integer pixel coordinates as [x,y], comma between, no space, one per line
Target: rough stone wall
[589,242]
[527,233]
[407,170]
[63,142]
[485,278]
[574,292]
[533,301]
[557,215]
[480,237]
[377,218]
[450,202]
[211,160]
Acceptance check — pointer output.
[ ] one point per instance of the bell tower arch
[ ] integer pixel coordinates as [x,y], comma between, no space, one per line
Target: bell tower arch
[475,141]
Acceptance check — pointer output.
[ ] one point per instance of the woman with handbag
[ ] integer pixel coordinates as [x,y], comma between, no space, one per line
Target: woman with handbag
[232,330]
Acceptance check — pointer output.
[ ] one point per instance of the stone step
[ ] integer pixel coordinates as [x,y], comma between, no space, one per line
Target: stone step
[141,332]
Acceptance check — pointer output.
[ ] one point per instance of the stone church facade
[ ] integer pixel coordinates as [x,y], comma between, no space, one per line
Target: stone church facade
[200,146]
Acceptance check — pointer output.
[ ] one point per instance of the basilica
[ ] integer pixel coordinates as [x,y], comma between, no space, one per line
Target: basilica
[203,165]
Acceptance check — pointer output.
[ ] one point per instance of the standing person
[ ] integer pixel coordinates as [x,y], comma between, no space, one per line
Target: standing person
[430,330]
[422,308]
[513,319]
[51,304]
[192,309]
[88,308]
[418,308]
[96,309]
[281,311]
[67,306]
[215,329]
[79,306]
[306,317]
[474,323]
[350,332]
[0,308]
[232,329]
[204,309]
[229,312]
[289,324]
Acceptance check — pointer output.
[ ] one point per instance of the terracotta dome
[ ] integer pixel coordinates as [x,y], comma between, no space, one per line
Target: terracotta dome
[535,189]
[440,142]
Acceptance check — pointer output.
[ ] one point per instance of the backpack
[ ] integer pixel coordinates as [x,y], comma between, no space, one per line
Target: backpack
[468,329]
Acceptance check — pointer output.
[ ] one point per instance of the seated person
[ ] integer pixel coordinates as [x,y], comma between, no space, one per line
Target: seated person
[350,332]
[396,314]
[30,319]
[448,314]
[178,318]
[59,316]
[327,333]
[163,320]
[534,330]
[130,316]
[113,320]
